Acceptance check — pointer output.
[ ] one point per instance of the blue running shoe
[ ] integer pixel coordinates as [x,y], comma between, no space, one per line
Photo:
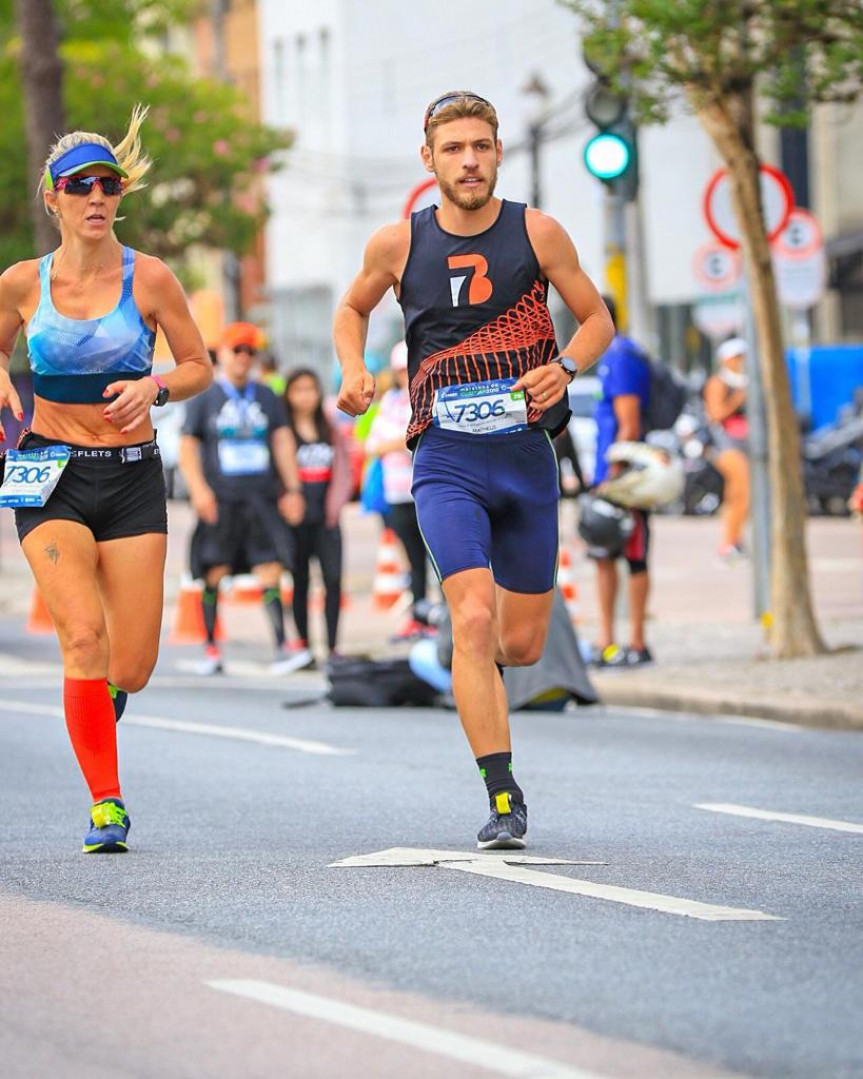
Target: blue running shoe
[506,826]
[109,826]
[119,698]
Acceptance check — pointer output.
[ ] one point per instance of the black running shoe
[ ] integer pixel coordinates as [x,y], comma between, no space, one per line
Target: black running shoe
[506,826]
[638,657]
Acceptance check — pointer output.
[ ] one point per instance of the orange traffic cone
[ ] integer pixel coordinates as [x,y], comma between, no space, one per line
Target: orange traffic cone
[39,622]
[188,625]
[245,589]
[566,584]
[389,581]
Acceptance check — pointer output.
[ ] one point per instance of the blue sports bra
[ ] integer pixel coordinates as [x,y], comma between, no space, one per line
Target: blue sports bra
[72,359]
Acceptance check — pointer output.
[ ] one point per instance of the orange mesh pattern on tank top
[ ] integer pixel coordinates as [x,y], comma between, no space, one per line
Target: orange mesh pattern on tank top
[518,340]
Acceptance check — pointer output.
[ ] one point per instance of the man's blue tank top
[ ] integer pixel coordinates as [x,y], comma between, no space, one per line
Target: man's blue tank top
[475,309]
[73,360]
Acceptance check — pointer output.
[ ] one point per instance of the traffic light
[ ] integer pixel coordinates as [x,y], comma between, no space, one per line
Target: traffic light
[611,155]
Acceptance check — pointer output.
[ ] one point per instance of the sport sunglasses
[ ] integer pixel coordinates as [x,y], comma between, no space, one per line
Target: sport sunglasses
[450,99]
[83,185]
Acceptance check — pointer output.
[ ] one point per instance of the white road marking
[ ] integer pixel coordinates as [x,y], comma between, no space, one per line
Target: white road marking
[413,856]
[785,818]
[237,734]
[489,1056]
[511,867]
[638,712]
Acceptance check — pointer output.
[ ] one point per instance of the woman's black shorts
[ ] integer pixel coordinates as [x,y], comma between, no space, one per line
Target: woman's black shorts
[114,492]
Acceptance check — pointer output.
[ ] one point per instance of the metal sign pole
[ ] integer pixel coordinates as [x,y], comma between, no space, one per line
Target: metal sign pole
[760,483]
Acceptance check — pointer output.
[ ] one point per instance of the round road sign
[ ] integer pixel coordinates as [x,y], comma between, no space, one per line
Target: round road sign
[716,268]
[777,198]
[416,194]
[801,238]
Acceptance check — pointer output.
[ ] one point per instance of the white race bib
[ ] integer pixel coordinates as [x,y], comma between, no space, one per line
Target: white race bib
[481,408]
[243,457]
[31,475]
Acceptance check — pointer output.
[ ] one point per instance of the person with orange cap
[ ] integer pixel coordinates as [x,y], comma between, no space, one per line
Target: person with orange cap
[239,460]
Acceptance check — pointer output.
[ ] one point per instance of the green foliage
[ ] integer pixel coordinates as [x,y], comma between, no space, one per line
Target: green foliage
[208,153]
[796,52]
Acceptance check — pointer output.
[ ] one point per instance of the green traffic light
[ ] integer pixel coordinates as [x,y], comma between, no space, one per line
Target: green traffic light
[607,156]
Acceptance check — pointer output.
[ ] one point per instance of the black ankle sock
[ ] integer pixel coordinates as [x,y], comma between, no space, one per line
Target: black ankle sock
[210,603]
[496,770]
[273,604]
[119,698]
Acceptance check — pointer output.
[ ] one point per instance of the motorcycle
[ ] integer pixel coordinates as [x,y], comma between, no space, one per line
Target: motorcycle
[832,459]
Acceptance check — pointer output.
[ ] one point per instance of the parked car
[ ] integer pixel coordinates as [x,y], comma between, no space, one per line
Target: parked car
[583,395]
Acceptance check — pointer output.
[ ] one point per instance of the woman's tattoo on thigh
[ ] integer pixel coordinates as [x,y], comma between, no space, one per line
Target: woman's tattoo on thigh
[53,551]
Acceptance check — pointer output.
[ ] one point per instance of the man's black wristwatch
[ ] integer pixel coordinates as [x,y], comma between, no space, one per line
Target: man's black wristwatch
[164,394]
[568,364]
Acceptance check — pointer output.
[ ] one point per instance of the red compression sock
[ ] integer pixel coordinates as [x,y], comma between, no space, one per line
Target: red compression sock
[93,732]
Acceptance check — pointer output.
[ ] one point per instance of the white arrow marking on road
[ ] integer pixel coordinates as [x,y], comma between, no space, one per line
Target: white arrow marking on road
[489,1056]
[785,818]
[238,734]
[510,867]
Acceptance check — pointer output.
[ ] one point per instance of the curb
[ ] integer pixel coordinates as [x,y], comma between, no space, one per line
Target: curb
[825,714]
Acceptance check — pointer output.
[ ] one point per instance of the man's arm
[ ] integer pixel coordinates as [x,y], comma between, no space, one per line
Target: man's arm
[383,262]
[558,261]
[627,412]
[200,493]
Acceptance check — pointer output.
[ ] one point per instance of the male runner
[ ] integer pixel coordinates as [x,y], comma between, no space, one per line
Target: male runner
[488,387]
[236,452]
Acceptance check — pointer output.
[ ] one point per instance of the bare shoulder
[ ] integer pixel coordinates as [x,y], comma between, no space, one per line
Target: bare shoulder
[19,280]
[153,273]
[541,228]
[388,246]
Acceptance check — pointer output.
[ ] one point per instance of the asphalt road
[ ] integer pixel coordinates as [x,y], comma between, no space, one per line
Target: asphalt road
[226,943]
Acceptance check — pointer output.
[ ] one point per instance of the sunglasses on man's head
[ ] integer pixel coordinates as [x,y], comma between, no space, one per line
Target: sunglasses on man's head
[252,351]
[450,99]
[83,185]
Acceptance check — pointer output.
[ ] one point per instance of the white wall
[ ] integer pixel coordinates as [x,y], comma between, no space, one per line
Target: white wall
[357,105]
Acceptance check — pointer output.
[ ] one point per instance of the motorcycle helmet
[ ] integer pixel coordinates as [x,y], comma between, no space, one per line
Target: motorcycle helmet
[603,526]
[651,476]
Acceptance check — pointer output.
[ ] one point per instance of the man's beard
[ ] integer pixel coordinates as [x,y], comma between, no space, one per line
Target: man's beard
[468,199]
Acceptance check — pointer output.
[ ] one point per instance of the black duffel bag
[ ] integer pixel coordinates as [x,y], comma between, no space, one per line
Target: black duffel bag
[362,682]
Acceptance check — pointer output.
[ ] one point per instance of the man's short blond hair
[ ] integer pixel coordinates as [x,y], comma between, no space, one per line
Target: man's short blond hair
[464,105]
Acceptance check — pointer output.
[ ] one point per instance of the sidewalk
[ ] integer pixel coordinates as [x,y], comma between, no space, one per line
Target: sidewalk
[709,650]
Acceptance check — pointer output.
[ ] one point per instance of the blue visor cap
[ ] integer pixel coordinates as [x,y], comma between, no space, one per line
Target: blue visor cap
[81,157]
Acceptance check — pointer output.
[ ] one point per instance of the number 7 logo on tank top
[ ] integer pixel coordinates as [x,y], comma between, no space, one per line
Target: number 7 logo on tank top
[479,287]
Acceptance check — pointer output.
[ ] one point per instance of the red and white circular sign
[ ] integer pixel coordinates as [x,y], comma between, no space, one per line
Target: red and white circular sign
[415,198]
[801,238]
[716,268]
[777,198]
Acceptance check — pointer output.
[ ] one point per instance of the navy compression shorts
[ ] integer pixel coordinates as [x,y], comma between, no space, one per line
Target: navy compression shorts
[489,501]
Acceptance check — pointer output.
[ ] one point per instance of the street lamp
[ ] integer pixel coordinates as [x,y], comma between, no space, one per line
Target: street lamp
[536,95]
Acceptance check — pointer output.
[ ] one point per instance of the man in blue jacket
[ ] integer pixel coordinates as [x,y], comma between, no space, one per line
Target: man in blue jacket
[625,377]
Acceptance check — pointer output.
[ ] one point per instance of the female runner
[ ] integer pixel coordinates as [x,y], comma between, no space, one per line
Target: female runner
[96,541]
[325,474]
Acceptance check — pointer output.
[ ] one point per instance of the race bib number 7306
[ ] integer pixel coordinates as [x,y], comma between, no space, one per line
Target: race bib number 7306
[31,475]
[481,408]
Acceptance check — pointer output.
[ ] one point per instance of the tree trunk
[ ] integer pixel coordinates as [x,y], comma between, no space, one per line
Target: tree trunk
[793,630]
[42,78]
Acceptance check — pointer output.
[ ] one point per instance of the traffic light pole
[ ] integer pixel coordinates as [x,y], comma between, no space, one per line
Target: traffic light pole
[616,274]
